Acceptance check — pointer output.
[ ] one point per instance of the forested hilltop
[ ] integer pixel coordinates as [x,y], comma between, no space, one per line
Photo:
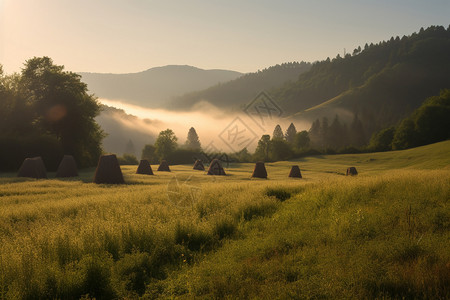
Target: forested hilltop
[382,83]
[236,93]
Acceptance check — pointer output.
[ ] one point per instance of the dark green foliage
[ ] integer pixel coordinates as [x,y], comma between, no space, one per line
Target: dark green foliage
[241,156]
[383,83]
[165,144]
[128,159]
[263,148]
[183,156]
[279,150]
[129,148]
[277,133]
[45,100]
[301,140]
[13,151]
[430,123]
[382,141]
[290,134]
[243,90]
[148,153]
[192,141]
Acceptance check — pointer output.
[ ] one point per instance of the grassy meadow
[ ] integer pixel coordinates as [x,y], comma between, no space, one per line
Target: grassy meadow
[382,234]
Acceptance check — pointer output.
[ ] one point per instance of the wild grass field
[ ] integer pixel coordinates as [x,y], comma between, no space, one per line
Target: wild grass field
[382,234]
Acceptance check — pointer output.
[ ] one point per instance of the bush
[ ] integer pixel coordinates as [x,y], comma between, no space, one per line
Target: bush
[14,150]
[128,159]
[182,156]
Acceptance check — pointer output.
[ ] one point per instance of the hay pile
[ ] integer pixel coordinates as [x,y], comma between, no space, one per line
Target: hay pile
[351,171]
[215,168]
[67,167]
[260,170]
[198,165]
[108,170]
[295,172]
[164,166]
[33,168]
[144,168]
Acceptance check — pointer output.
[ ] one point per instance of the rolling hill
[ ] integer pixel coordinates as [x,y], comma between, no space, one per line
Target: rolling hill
[153,87]
[238,92]
[382,83]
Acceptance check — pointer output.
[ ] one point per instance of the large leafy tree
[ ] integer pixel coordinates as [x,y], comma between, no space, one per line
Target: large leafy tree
[301,140]
[263,148]
[165,144]
[45,100]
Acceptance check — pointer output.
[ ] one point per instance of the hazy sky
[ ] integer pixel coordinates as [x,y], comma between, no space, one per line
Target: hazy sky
[130,36]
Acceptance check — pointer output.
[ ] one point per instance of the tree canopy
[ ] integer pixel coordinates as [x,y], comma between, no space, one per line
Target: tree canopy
[165,144]
[45,100]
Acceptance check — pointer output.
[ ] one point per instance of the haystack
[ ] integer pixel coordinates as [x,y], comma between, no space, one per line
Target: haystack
[108,170]
[260,170]
[144,168]
[215,168]
[164,166]
[67,167]
[352,171]
[295,172]
[198,165]
[33,168]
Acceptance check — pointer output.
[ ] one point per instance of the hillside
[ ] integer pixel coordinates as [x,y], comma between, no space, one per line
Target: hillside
[383,83]
[123,129]
[238,92]
[153,87]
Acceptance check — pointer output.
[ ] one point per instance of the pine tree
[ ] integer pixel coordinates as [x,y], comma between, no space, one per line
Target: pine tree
[192,141]
[277,133]
[290,133]
[324,137]
[129,148]
[314,133]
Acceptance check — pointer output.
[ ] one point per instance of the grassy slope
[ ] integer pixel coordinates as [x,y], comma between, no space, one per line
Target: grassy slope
[382,233]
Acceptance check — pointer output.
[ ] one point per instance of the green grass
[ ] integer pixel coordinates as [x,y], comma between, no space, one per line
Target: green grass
[382,234]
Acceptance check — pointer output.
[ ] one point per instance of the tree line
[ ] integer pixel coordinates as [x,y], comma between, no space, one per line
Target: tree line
[430,123]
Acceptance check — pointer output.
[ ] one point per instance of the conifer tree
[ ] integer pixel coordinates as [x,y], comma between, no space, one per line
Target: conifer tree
[290,133]
[192,141]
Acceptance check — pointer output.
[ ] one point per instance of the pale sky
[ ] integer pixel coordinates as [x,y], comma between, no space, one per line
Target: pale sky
[112,36]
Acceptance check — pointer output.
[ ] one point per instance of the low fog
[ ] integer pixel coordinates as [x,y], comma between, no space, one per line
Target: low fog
[217,130]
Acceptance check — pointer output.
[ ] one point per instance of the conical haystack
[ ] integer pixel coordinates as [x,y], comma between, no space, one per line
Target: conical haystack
[198,165]
[33,168]
[352,171]
[295,172]
[215,168]
[108,170]
[67,167]
[260,170]
[164,166]
[144,168]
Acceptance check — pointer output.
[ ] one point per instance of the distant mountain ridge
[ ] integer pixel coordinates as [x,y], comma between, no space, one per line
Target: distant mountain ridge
[236,93]
[156,86]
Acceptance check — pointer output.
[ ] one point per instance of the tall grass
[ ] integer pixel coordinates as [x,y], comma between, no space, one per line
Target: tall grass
[381,234]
